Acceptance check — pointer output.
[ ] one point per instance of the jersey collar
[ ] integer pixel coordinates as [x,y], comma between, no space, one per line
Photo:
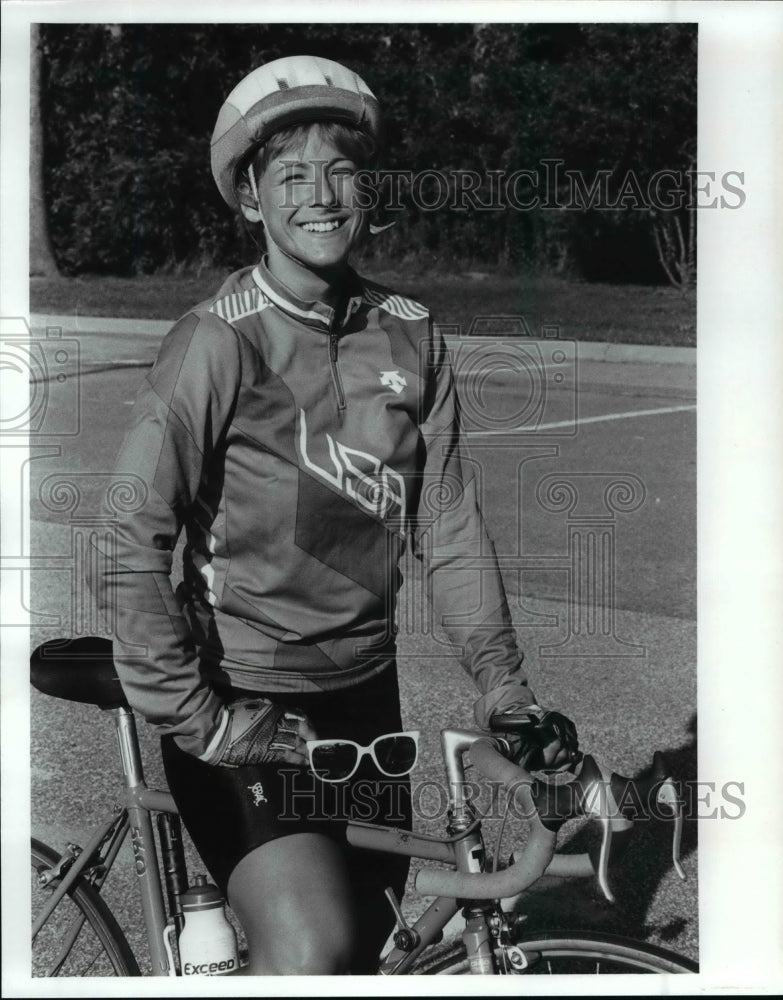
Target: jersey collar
[315,314]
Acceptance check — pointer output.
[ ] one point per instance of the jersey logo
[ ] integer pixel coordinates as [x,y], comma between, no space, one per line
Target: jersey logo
[394,381]
[361,476]
[258,793]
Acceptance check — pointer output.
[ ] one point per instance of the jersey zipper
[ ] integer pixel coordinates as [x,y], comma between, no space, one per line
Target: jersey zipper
[336,380]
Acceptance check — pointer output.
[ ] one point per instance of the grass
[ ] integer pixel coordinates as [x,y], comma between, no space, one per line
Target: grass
[634,314]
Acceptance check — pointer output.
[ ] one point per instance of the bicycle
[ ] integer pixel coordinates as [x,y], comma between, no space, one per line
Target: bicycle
[75,933]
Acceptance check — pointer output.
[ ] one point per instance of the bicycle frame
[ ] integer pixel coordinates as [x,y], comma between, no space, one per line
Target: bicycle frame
[134,816]
[463,848]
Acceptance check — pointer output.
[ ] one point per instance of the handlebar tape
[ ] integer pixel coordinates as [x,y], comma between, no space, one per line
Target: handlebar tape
[539,849]
[604,796]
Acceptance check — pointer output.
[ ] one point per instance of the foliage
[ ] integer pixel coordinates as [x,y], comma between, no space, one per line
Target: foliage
[129,110]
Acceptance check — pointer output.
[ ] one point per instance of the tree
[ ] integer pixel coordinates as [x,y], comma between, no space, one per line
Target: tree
[130,110]
[42,262]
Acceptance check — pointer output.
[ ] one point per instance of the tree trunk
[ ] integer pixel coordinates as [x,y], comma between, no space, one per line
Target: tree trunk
[42,262]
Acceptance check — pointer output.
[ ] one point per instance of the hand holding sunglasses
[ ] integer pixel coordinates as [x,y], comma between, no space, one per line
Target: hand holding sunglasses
[394,754]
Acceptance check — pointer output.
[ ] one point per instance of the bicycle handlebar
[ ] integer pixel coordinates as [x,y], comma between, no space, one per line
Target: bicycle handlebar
[603,796]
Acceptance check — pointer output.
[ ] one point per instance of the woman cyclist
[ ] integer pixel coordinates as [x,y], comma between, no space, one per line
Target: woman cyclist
[301,426]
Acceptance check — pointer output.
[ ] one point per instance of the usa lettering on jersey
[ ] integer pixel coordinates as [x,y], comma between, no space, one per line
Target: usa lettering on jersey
[361,476]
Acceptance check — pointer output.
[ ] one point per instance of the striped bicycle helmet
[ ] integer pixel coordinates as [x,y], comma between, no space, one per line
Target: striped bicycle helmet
[286,92]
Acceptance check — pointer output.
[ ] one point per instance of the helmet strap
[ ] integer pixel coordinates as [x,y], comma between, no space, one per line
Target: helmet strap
[253,187]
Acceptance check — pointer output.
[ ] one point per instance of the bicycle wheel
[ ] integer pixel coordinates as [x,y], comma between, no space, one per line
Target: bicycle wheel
[569,954]
[81,936]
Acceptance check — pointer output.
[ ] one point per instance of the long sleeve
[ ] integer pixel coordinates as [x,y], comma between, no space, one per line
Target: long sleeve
[462,576]
[178,419]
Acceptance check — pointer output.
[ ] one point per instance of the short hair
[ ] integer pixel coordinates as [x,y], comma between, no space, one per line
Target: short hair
[350,141]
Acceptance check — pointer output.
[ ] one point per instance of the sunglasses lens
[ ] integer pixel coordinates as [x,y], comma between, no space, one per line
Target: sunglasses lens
[396,754]
[334,761]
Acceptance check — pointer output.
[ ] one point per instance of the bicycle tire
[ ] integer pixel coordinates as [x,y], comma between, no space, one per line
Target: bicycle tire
[569,953]
[99,949]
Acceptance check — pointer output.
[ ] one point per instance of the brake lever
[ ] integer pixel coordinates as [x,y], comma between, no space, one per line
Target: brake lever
[669,798]
[615,802]
[588,794]
[599,803]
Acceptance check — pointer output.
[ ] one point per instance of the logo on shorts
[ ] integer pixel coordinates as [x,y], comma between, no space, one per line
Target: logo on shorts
[394,381]
[258,793]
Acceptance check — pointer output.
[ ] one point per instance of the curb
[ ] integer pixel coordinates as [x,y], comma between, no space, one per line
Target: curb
[592,350]
[98,324]
[596,350]
[587,350]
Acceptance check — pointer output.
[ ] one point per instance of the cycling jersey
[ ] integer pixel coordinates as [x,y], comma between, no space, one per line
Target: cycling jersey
[300,446]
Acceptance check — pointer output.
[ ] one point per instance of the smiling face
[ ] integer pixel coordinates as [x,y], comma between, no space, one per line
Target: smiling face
[306,191]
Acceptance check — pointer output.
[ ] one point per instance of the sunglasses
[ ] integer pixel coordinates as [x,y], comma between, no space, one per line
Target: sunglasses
[394,755]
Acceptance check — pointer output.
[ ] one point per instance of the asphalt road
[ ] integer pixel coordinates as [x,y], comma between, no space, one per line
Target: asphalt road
[619,439]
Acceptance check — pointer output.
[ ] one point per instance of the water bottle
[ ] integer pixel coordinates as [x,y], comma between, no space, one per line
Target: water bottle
[207,944]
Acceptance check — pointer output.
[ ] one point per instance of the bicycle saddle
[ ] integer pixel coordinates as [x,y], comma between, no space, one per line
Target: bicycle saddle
[78,670]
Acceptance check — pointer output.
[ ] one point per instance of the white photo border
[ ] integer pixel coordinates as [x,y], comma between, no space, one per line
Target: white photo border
[740,373]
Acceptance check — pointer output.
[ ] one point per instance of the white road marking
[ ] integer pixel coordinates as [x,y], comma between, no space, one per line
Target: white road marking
[588,420]
[501,369]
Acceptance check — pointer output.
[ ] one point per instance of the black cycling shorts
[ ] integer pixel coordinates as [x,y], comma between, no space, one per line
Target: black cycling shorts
[229,812]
